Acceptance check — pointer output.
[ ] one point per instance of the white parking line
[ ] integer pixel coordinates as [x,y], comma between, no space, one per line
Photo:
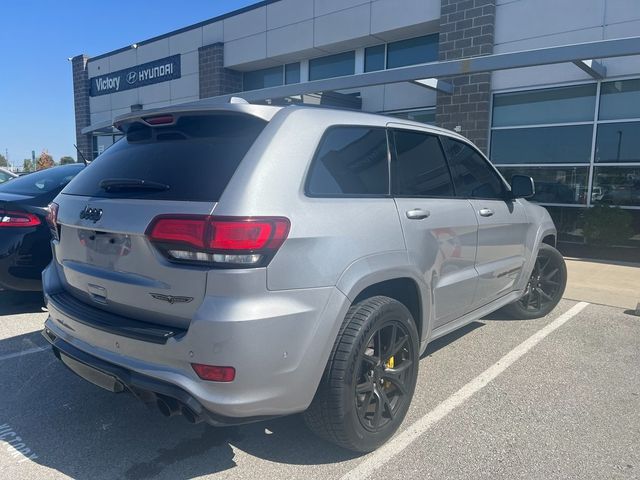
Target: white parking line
[388,451]
[28,351]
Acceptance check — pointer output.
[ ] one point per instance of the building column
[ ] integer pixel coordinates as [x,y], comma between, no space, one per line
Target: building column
[214,78]
[466,30]
[81,105]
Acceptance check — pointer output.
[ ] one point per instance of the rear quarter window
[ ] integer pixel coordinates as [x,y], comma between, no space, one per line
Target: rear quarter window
[195,158]
[350,161]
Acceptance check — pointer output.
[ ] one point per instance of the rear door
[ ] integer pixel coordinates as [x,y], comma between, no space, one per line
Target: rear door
[179,166]
[440,230]
[502,221]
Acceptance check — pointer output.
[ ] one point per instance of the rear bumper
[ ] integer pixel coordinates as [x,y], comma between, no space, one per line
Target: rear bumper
[278,342]
[146,388]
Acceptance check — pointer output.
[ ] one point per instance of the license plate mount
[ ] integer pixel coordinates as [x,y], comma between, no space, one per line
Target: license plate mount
[93,375]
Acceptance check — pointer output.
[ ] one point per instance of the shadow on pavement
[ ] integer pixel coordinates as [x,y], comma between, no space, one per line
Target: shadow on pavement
[87,433]
[20,343]
[442,342]
[12,303]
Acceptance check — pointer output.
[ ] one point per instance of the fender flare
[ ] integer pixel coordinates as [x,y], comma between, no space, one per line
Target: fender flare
[370,270]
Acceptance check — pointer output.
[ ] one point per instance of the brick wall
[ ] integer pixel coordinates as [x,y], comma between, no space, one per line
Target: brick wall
[466,30]
[214,78]
[81,104]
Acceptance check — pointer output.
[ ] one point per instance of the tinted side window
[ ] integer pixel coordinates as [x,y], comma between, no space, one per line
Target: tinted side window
[419,168]
[350,161]
[472,175]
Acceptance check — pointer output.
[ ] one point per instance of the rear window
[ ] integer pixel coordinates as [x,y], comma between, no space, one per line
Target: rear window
[42,181]
[195,159]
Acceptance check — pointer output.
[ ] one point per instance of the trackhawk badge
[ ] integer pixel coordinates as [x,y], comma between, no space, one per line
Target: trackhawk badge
[170,298]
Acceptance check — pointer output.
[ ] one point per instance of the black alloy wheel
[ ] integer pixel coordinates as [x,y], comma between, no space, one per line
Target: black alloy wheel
[545,286]
[370,377]
[384,376]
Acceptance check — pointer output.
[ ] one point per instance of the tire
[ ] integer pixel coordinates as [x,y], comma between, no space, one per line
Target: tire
[545,287]
[384,383]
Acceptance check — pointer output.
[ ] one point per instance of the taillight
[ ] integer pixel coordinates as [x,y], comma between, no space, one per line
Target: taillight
[214,373]
[52,219]
[18,219]
[222,241]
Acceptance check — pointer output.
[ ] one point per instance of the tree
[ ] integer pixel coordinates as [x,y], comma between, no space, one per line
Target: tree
[27,165]
[3,161]
[66,160]
[44,160]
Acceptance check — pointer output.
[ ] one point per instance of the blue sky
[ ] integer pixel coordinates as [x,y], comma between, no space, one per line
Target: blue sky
[37,37]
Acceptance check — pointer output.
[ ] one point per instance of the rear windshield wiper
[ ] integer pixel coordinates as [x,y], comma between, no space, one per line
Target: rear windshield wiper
[110,184]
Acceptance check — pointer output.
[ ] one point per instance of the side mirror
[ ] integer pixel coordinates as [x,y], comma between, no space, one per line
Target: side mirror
[522,186]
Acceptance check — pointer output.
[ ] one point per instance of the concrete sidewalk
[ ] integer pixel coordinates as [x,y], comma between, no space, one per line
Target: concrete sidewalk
[608,283]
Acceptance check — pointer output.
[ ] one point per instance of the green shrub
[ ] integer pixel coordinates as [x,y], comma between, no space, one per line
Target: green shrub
[605,225]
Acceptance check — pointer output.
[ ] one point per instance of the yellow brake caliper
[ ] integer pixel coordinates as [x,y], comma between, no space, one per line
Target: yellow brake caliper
[390,364]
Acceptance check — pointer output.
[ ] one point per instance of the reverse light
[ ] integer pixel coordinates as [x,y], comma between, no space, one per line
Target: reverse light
[214,373]
[239,242]
[18,219]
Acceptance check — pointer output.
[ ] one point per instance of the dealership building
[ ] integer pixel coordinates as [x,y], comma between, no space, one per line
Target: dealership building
[573,126]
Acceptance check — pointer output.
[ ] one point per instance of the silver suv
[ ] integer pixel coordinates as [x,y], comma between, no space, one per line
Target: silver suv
[238,262]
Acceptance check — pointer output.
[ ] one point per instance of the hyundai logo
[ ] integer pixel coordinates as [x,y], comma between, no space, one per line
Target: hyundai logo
[93,214]
[132,77]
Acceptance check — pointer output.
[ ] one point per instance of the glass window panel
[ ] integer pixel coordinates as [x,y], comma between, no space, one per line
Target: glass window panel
[374,58]
[292,73]
[620,99]
[420,168]
[424,116]
[616,186]
[554,184]
[268,77]
[553,105]
[569,144]
[351,161]
[473,177]
[412,51]
[332,66]
[618,142]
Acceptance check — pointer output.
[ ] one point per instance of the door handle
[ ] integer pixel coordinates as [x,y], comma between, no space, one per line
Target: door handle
[417,214]
[485,212]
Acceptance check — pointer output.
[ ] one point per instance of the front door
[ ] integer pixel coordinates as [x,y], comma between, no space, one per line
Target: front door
[502,222]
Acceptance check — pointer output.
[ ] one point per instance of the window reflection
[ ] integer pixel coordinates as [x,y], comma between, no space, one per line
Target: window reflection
[566,144]
[412,51]
[374,58]
[617,186]
[554,184]
[332,66]
[267,77]
[620,99]
[618,142]
[551,105]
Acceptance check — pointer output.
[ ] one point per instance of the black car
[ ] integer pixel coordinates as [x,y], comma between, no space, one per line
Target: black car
[24,233]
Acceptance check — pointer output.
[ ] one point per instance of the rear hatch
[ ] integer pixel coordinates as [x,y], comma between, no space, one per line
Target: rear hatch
[177,164]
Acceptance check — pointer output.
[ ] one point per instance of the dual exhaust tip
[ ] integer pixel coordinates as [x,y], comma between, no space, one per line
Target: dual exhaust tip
[170,407]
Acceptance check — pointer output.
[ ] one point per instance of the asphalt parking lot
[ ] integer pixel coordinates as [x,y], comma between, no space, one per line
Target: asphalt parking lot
[557,397]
